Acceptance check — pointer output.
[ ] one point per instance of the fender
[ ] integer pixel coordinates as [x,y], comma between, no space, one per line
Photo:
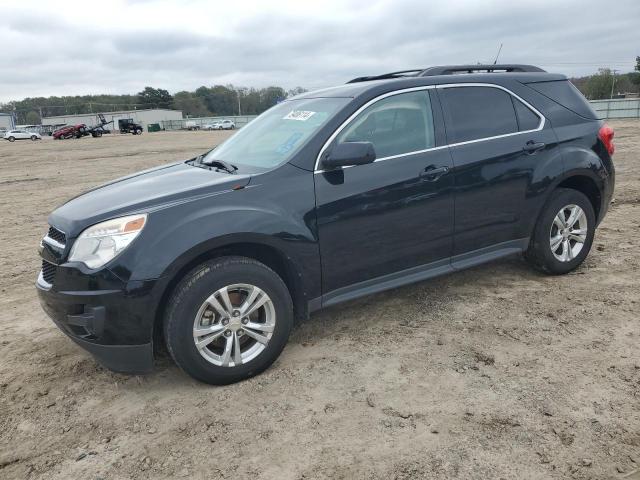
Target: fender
[277,212]
[578,161]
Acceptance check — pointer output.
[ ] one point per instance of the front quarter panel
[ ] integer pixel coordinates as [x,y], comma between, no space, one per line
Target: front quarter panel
[276,209]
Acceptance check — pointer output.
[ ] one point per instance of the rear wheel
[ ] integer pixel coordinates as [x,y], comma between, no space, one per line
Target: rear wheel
[228,320]
[564,233]
[34,138]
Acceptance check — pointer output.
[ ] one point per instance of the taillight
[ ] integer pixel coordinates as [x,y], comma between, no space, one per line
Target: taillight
[606,134]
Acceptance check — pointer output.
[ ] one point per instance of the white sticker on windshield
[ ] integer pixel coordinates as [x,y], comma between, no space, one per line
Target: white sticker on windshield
[302,115]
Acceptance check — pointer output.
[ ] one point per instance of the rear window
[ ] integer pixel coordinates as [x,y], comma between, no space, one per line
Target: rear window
[474,113]
[566,94]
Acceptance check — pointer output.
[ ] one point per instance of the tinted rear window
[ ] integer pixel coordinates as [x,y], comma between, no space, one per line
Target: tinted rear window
[473,113]
[567,95]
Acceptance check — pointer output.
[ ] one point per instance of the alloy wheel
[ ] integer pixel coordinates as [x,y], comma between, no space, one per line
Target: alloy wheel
[568,233]
[234,325]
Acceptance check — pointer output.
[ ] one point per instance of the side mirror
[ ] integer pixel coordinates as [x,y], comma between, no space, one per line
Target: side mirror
[348,154]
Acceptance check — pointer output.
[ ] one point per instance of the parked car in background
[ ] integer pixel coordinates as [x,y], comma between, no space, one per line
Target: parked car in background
[191,125]
[13,135]
[209,126]
[221,125]
[324,198]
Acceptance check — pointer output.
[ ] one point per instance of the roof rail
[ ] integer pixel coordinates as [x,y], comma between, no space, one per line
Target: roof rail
[399,74]
[459,69]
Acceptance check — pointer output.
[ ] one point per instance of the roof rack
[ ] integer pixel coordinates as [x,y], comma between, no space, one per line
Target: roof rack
[399,74]
[458,69]
[452,70]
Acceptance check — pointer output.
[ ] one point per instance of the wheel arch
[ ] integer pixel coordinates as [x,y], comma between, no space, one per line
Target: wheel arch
[587,186]
[261,251]
[583,180]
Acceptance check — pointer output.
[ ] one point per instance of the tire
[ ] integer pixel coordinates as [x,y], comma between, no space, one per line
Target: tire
[138,132]
[185,311]
[12,139]
[33,138]
[566,257]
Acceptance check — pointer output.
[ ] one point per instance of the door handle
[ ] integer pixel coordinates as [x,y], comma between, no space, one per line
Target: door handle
[532,147]
[432,173]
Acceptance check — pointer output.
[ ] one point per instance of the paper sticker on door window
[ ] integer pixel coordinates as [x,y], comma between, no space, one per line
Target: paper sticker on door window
[301,115]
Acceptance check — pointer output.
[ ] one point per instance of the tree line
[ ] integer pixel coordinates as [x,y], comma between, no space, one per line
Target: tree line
[225,100]
[608,83]
[218,100]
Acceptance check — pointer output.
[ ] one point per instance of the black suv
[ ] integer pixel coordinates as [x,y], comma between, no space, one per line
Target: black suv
[326,197]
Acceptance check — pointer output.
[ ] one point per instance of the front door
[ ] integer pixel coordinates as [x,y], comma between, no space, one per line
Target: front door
[393,214]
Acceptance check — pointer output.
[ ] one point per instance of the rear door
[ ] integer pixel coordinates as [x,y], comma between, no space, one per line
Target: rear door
[393,214]
[498,143]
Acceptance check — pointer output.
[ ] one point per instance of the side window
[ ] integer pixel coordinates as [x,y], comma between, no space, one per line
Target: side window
[473,113]
[527,120]
[395,125]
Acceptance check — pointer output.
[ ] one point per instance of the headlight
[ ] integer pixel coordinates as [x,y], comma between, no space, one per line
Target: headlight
[104,241]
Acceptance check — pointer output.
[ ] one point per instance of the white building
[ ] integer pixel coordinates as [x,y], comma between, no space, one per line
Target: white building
[143,117]
[6,121]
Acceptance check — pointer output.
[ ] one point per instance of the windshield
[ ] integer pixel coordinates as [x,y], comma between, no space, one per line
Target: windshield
[276,135]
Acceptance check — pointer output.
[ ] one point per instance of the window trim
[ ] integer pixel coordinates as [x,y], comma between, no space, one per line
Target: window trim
[344,124]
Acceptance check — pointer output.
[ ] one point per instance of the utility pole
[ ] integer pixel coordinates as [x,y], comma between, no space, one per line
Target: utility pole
[613,82]
[238,95]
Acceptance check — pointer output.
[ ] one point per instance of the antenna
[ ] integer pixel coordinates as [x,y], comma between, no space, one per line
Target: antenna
[499,50]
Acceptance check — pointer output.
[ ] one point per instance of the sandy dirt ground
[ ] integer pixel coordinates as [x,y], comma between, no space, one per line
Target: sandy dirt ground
[498,372]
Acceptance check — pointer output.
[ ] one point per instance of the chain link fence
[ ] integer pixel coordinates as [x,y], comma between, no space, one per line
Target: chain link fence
[617,108]
[186,123]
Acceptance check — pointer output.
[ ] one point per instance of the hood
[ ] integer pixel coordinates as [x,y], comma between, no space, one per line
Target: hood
[145,191]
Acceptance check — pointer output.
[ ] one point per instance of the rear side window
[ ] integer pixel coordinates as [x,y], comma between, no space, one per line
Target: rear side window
[567,95]
[473,113]
[395,125]
[527,120]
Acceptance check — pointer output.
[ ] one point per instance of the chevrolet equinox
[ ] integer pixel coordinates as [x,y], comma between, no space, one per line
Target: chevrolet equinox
[326,197]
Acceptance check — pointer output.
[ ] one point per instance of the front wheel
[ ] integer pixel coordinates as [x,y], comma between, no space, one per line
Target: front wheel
[228,320]
[12,139]
[34,138]
[564,233]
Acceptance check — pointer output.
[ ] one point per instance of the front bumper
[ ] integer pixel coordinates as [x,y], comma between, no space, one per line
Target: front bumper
[110,319]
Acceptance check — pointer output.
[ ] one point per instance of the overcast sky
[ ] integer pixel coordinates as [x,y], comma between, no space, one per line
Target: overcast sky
[118,46]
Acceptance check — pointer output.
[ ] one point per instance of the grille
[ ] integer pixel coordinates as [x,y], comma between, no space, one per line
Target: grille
[57,235]
[48,271]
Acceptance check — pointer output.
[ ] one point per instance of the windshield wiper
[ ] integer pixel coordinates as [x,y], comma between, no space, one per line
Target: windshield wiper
[219,164]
